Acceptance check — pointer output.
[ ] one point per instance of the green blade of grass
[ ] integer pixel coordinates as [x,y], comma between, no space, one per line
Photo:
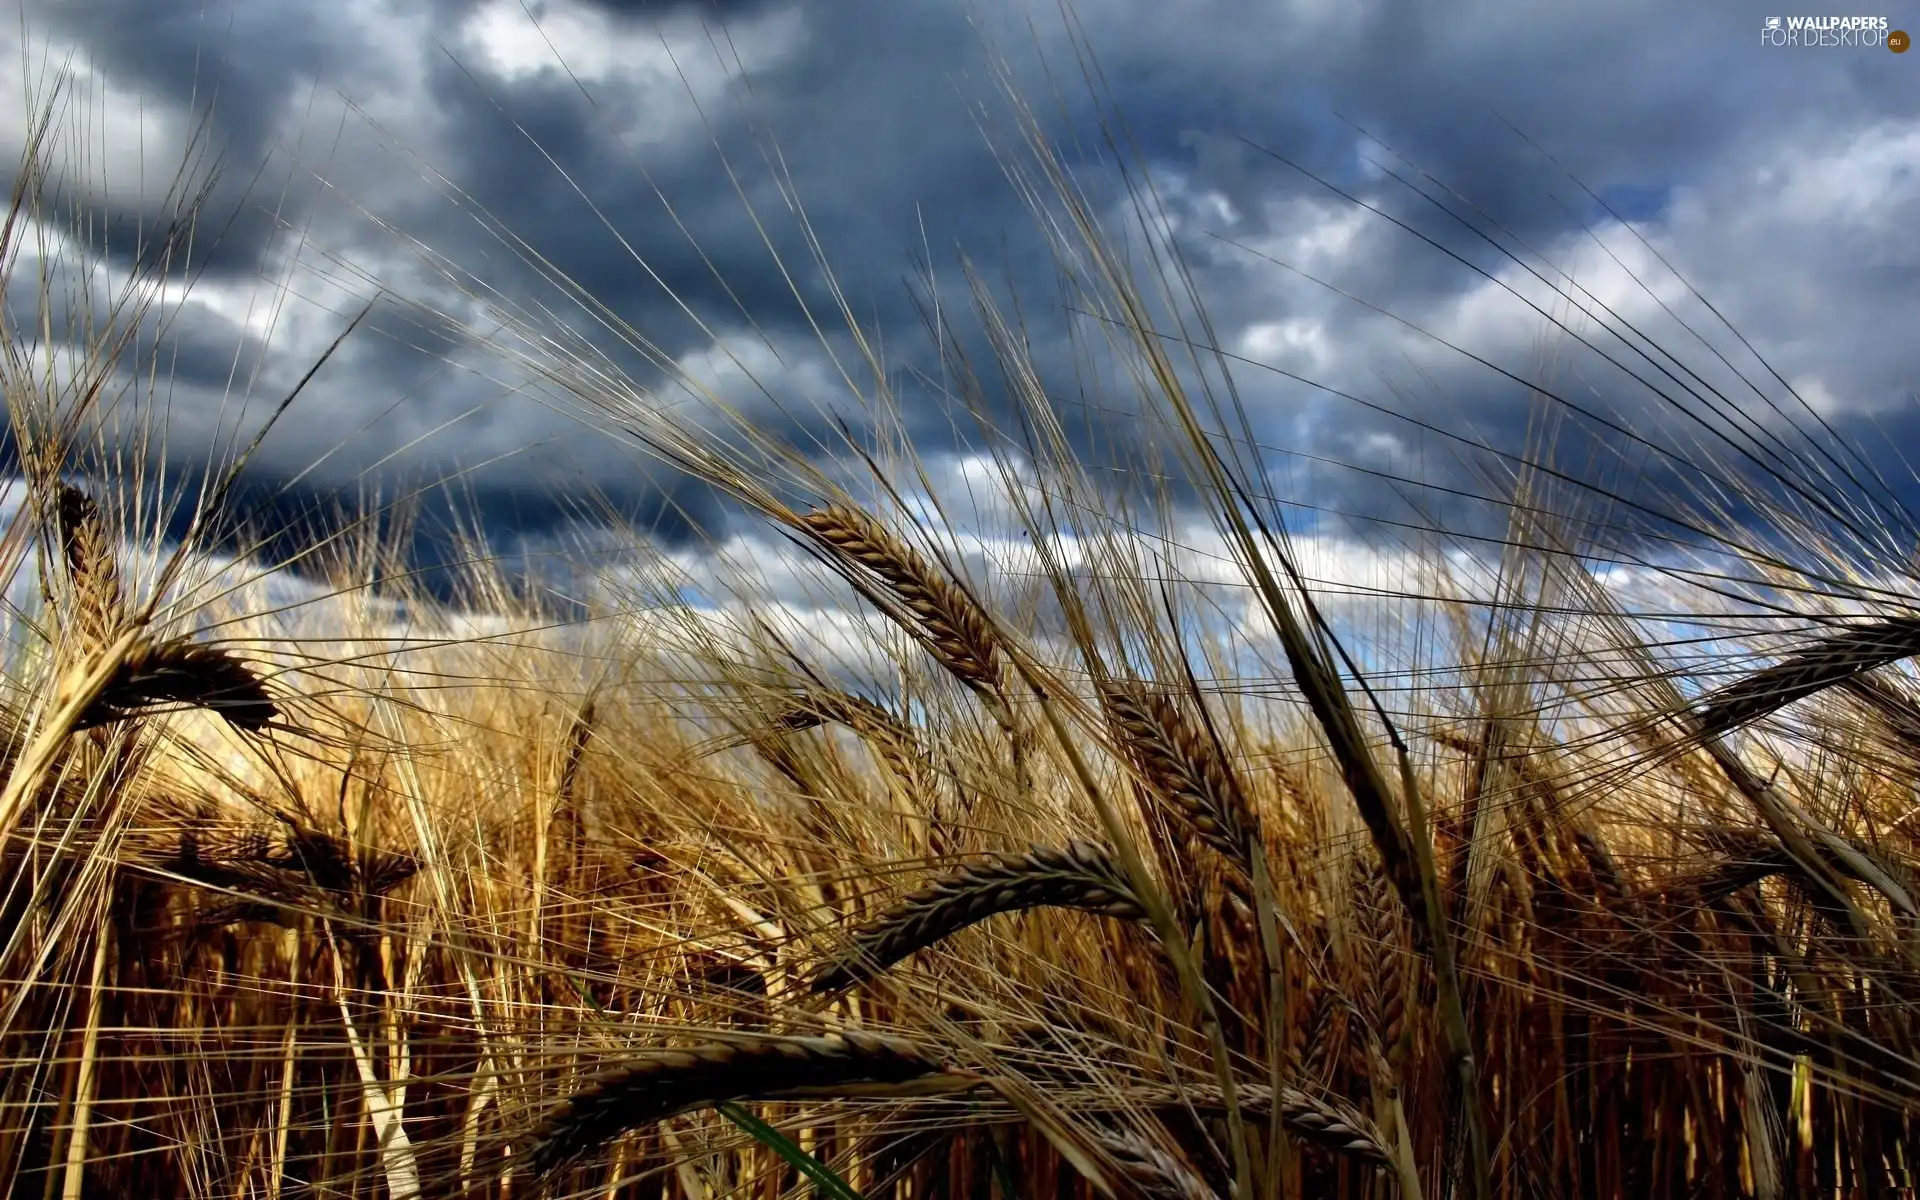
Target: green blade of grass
[1001,1172]
[823,1176]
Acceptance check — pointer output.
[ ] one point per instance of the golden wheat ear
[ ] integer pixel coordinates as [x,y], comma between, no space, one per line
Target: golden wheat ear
[184,673]
[1184,765]
[97,606]
[945,617]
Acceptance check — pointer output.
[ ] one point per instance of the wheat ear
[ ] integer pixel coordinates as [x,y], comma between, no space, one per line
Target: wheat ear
[666,1082]
[1327,1123]
[944,616]
[1332,1125]
[185,673]
[1382,964]
[98,610]
[886,734]
[197,843]
[1617,893]
[1153,1173]
[1184,765]
[1834,660]
[1080,876]
[811,709]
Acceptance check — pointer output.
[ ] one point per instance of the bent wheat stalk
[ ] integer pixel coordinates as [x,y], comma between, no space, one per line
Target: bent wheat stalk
[668,1082]
[1081,876]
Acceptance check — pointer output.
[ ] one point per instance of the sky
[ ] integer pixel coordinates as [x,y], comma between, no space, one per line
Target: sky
[630,145]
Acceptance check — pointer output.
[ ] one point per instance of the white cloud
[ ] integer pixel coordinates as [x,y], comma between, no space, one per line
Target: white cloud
[660,79]
[122,146]
[1297,344]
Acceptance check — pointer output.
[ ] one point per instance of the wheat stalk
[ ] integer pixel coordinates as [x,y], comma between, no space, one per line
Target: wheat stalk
[668,1082]
[1080,876]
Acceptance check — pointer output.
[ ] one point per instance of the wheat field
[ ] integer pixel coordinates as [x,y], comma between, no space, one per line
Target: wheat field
[1124,858]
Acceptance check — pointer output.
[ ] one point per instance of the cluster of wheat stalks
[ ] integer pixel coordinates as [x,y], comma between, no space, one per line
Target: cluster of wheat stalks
[1089,945]
[1059,912]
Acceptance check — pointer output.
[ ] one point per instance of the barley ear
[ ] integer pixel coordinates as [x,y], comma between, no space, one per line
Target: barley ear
[97,609]
[1153,1173]
[943,615]
[1184,765]
[1080,876]
[665,1083]
[184,673]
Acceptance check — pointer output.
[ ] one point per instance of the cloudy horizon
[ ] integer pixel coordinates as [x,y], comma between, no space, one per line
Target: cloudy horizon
[629,145]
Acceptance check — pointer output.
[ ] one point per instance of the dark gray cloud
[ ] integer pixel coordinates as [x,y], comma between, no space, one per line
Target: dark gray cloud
[1778,179]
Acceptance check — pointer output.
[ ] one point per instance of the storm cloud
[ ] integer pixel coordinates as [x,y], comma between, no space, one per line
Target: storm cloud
[1780,181]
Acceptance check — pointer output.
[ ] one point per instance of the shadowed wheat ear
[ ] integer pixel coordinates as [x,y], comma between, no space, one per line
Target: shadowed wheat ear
[185,673]
[666,1083]
[1382,959]
[1751,856]
[1814,668]
[1332,1125]
[943,615]
[1080,876]
[1710,885]
[200,842]
[1153,1173]
[1327,1123]
[1611,885]
[256,872]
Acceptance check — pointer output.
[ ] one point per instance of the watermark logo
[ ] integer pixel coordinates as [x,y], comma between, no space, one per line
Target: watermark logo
[1868,33]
